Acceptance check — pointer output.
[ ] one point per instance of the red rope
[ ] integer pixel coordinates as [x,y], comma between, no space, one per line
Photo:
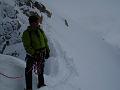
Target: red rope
[17,77]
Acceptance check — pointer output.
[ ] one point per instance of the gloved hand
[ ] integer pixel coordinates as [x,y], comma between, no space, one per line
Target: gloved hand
[47,53]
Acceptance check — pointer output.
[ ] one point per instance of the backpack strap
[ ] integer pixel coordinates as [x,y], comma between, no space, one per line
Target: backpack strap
[30,35]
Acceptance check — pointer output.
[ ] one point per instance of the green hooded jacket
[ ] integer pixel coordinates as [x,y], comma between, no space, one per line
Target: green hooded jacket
[34,40]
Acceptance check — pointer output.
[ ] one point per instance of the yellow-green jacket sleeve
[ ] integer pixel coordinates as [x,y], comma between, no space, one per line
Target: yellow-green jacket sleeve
[27,43]
[46,40]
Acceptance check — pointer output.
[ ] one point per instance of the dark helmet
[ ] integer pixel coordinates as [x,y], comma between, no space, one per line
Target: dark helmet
[33,18]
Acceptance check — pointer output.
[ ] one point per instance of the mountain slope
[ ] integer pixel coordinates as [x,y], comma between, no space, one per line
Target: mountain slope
[80,59]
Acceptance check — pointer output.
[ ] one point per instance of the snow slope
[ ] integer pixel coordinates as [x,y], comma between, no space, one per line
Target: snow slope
[95,61]
[101,16]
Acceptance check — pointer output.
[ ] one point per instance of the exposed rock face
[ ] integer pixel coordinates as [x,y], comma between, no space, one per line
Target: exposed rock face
[11,25]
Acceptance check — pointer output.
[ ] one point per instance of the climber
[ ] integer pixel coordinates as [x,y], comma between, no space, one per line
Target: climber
[37,50]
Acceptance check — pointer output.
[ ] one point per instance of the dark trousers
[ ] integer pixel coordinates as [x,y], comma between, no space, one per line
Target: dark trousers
[28,71]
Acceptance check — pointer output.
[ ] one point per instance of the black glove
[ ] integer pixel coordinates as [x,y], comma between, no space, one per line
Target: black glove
[47,53]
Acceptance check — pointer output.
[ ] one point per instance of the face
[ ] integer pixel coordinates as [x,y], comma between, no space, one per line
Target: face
[35,24]
[40,19]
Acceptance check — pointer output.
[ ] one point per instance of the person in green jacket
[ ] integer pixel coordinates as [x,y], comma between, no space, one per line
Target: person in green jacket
[37,49]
